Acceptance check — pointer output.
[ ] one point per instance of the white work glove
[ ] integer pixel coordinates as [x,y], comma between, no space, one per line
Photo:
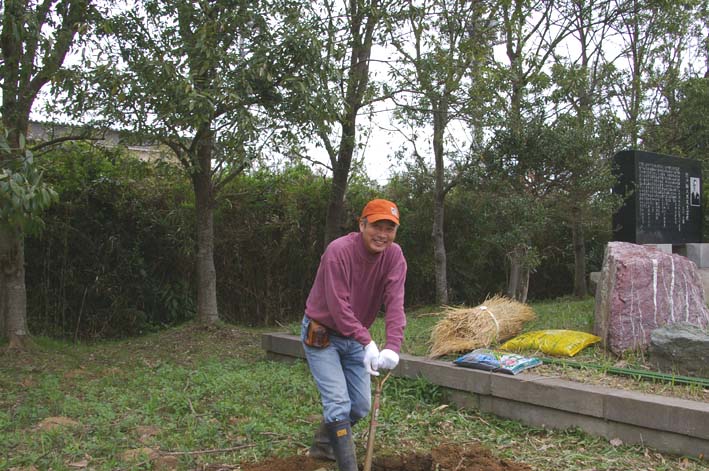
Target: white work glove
[388,359]
[371,358]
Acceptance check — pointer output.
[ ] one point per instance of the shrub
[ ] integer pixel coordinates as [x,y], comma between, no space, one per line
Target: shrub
[113,259]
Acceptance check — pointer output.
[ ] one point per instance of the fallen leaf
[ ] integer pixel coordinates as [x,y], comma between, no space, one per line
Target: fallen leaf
[616,442]
[27,382]
[75,373]
[136,453]
[112,371]
[79,464]
[165,463]
[145,432]
[238,420]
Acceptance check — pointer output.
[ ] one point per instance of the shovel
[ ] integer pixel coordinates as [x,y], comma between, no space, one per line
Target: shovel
[373,421]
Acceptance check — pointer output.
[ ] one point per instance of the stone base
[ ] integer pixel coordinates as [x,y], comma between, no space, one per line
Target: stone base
[698,253]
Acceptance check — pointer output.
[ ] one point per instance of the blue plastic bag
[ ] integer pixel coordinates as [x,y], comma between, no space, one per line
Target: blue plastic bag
[498,362]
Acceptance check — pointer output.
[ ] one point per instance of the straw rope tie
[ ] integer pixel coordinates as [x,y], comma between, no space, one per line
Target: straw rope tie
[494,319]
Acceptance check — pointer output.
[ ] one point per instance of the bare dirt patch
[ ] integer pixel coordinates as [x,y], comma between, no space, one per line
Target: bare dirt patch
[50,423]
[447,457]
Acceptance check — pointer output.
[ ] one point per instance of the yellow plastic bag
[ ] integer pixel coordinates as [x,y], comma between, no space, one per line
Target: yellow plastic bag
[552,342]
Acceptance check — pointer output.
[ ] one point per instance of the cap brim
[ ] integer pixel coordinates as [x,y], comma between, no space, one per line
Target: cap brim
[381,217]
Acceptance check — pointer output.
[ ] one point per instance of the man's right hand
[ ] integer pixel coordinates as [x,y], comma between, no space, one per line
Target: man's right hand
[388,359]
[371,358]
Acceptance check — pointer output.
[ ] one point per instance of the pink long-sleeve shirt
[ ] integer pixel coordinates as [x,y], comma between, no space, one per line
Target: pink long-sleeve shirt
[351,286]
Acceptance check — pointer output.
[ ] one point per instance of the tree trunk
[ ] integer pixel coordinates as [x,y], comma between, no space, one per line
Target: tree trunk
[580,287]
[207,311]
[524,286]
[519,275]
[3,307]
[518,281]
[363,21]
[439,253]
[340,177]
[30,60]
[13,294]
[13,299]
[440,111]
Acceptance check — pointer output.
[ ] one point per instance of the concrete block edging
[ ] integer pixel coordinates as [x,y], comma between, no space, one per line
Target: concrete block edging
[670,425]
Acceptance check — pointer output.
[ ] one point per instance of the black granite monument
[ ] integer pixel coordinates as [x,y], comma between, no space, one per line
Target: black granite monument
[662,199]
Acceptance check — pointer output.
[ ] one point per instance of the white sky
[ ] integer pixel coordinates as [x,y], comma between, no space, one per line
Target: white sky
[382,142]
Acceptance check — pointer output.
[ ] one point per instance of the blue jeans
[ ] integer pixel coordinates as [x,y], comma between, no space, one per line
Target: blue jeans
[339,373]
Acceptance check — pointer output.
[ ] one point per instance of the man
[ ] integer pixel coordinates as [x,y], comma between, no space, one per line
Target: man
[358,273]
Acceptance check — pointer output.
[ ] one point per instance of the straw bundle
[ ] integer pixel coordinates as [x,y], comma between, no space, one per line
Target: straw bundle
[465,328]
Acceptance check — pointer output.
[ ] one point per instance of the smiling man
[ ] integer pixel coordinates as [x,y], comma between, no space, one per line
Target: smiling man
[358,274]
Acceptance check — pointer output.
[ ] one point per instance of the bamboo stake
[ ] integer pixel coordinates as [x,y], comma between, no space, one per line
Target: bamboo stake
[373,422]
[642,374]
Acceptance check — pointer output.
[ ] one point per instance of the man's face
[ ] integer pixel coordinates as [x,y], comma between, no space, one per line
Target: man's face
[377,236]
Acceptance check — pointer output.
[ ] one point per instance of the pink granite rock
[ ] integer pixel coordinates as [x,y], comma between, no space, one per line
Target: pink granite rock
[642,288]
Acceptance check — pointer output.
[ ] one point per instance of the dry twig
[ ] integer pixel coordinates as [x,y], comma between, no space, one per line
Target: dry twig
[206,452]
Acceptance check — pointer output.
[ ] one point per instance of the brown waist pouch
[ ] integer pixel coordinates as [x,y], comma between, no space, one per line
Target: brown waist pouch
[317,336]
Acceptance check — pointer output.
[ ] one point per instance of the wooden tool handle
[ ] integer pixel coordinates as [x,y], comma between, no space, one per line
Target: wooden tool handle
[373,422]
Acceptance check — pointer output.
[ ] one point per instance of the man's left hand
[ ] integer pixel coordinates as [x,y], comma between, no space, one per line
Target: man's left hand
[388,359]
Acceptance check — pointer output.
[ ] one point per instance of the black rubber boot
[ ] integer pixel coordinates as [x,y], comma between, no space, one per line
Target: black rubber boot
[342,442]
[321,448]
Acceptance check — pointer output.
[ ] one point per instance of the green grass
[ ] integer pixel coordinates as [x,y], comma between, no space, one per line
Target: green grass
[571,314]
[193,390]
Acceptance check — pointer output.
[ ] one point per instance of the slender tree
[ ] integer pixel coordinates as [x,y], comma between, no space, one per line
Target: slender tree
[440,42]
[582,116]
[684,131]
[350,30]
[214,81]
[681,53]
[531,31]
[653,37]
[35,40]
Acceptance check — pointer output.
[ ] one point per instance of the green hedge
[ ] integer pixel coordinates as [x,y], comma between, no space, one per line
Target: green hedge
[116,255]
